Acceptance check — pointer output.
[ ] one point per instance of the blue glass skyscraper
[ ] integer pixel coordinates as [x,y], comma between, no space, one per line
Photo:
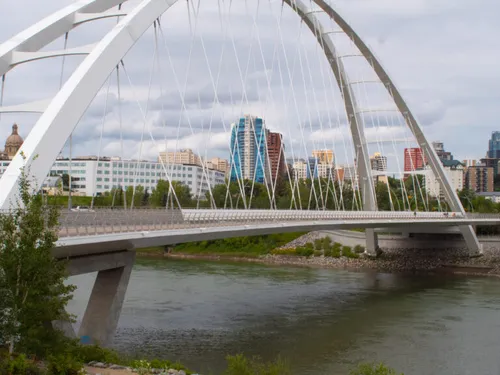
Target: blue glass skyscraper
[494,146]
[248,149]
[312,168]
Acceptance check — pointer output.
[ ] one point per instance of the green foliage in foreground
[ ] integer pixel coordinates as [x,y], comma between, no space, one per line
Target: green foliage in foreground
[32,289]
[70,362]
[374,369]
[246,246]
[241,365]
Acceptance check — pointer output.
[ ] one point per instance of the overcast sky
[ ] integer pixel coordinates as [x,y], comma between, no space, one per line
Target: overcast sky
[444,56]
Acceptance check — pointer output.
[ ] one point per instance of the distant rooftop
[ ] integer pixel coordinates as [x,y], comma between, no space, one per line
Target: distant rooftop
[451,163]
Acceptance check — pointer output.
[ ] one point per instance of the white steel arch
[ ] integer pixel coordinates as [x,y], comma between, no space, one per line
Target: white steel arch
[50,133]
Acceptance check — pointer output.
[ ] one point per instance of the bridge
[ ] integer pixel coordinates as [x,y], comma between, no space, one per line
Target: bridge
[102,230]
[347,102]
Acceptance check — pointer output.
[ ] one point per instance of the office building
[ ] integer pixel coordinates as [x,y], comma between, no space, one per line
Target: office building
[313,168]
[324,156]
[218,164]
[92,177]
[378,164]
[414,159]
[494,146]
[479,178]
[248,149]
[440,151]
[300,169]
[186,156]
[275,155]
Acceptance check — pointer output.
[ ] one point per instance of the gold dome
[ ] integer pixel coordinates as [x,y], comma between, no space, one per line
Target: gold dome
[13,142]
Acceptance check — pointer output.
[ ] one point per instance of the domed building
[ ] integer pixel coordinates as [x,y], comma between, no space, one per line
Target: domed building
[12,144]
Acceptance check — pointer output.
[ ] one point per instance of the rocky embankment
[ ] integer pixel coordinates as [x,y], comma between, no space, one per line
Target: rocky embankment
[398,260]
[100,368]
[393,260]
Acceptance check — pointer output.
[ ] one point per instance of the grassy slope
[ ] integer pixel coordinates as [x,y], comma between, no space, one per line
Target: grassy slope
[240,247]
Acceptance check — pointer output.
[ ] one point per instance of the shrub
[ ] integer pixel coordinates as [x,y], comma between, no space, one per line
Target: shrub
[337,245]
[89,353]
[240,365]
[358,249]
[157,363]
[318,253]
[19,366]
[143,367]
[304,251]
[64,365]
[336,252]
[309,245]
[179,366]
[328,252]
[373,369]
[327,243]
[318,244]
[347,252]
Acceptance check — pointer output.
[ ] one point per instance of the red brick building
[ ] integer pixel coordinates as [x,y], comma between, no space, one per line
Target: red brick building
[414,159]
[276,155]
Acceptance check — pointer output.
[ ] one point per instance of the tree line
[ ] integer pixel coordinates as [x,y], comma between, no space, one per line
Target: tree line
[394,195]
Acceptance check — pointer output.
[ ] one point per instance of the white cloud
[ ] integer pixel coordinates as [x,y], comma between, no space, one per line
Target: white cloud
[447,72]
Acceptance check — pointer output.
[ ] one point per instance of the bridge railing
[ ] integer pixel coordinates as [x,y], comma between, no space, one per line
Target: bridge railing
[106,221]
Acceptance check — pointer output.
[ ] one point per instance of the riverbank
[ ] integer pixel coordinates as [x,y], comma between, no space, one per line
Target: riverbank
[388,262]
[394,260]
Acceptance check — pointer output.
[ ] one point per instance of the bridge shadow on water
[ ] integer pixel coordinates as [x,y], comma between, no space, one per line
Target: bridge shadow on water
[198,312]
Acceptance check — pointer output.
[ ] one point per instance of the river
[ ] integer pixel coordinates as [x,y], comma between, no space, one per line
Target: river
[323,321]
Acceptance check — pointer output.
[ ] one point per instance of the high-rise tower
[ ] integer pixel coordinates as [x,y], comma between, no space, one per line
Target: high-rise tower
[248,149]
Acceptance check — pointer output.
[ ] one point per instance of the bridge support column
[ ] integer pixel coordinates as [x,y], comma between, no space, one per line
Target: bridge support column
[473,245]
[105,303]
[371,248]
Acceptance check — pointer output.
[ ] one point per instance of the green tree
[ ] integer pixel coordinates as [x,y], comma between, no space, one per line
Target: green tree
[137,193]
[32,289]
[160,193]
[65,179]
[145,198]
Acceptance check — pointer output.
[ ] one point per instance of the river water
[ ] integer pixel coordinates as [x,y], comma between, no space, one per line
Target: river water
[323,321]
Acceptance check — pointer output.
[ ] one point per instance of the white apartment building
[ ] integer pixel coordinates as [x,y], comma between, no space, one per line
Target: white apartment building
[94,177]
[299,170]
[455,173]
[312,169]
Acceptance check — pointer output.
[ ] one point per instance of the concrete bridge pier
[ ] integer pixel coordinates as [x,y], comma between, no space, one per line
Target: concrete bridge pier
[372,249]
[106,299]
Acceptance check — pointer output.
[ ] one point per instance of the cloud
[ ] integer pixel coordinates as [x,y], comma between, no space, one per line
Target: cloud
[264,61]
